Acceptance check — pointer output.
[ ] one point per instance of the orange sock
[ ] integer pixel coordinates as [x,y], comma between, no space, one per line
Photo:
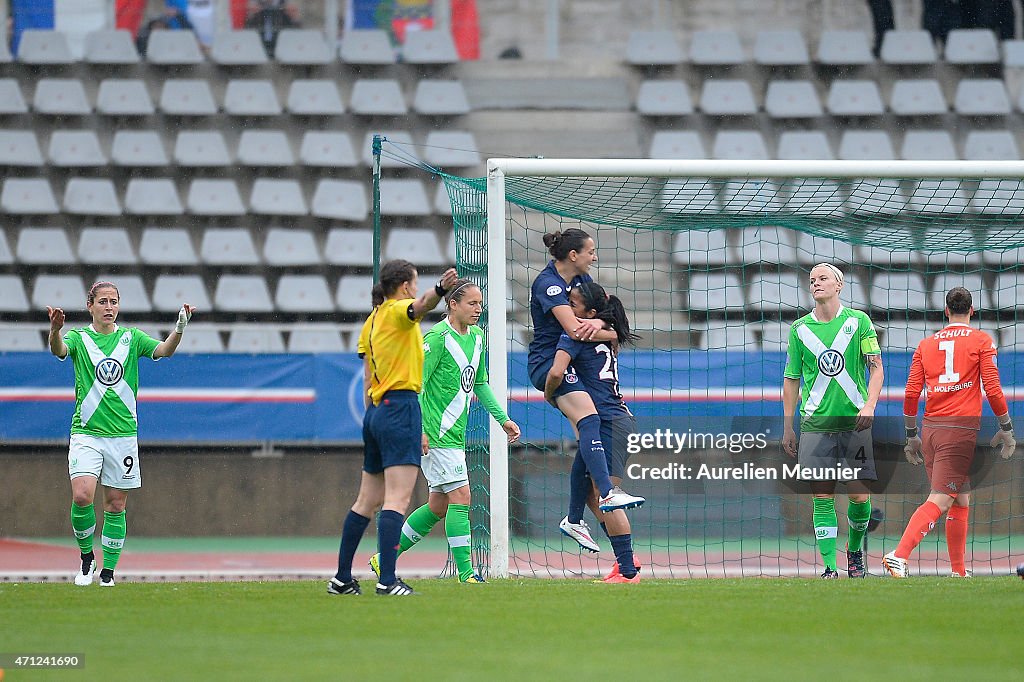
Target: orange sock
[920,523]
[956,537]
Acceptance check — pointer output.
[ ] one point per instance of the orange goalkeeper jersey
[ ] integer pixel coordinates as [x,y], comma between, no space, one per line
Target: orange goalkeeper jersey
[952,365]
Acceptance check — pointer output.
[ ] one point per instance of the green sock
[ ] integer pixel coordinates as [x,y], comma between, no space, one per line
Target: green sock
[826,528]
[416,526]
[114,531]
[83,521]
[456,526]
[858,513]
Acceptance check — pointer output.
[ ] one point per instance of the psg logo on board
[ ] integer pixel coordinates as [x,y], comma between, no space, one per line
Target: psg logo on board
[831,363]
[109,371]
[468,379]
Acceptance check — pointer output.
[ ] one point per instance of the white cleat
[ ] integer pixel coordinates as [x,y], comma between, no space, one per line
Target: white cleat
[107,583]
[896,567]
[580,532]
[84,577]
[617,498]
[954,574]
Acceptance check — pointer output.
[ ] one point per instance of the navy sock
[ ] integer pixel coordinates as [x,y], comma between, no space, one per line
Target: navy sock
[604,527]
[579,487]
[351,534]
[389,534]
[592,451]
[622,545]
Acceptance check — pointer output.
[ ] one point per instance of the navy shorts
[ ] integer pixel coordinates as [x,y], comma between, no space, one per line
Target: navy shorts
[570,382]
[392,432]
[615,437]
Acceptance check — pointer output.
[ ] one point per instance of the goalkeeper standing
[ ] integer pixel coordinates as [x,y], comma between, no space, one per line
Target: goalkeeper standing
[830,349]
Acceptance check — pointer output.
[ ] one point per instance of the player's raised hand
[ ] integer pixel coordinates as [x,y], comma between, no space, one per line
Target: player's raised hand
[512,430]
[184,315]
[912,450]
[1006,443]
[448,279]
[789,442]
[56,318]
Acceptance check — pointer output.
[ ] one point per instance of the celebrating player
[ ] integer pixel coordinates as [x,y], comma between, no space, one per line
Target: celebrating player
[454,368]
[104,442]
[951,366]
[595,366]
[830,348]
[574,252]
[391,345]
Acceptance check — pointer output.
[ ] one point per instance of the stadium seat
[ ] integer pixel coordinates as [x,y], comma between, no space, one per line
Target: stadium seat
[780,48]
[75,149]
[767,244]
[187,97]
[347,246]
[255,339]
[277,197]
[1009,290]
[716,48]
[972,281]
[354,294]
[242,293]
[715,291]
[214,197]
[814,196]
[866,145]
[917,97]
[972,46]
[238,48]
[451,149]
[727,97]
[844,48]
[327,149]
[419,246]
[377,97]
[58,291]
[676,144]
[303,294]
[5,53]
[44,48]
[6,255]
[110,47]
[12,295]
[885,258]
[943,259]
[316,338]
[928,145]
[19,148]
[442,203]
[173,48]
[991,145]
[91,196]
[938,196]
[653,48]
[44,246]
[403,197]
[106,246]
[690,196]
[137,148]
[124,97]
[290,247]
[133,297]
[201,338]
[876,195]
[11,99]
[440,98]
[781,292]
[854,98]
[431,46]
[1002,197]
[896,291]
[27,196]
[166,246]
[264,148]
[228,246]
[904,336]
[723,335]
[908,47]
[314,98]
[201,149]
[61,97]
[813,249]
[800,145]
[739,145]
[664,98]
[751,196]
[367,46]
[981,97]
[152,196]
[340,200]
[792,99]
[397,143]
[775,336]
[170,291]
[1013,53]
[251,97]
[1010,337]
[302,47]
[20,340]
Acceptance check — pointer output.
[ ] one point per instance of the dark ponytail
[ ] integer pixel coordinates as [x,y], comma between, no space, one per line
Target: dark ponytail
[394,274]
[609,309]
[561,243]
[377,294]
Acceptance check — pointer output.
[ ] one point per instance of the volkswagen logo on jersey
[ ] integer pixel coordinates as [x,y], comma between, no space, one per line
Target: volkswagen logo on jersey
[468,379]
[109,371]
[831,362]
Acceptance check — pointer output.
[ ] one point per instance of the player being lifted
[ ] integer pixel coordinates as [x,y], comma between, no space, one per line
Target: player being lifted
[830,349]
[454,369]
[951,366]
[104,442]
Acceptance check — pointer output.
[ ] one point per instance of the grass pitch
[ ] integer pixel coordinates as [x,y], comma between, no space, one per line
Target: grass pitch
[524,630]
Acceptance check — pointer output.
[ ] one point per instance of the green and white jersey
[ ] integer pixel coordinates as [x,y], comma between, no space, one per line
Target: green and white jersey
[829,357]
[107,379]
[453,369]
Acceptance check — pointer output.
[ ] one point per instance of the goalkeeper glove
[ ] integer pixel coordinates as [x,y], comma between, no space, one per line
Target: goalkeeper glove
[183,317]
[1009,443]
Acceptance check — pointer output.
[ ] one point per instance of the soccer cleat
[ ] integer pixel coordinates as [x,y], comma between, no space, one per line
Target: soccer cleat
[618,578]
[398,589]
[617,498]
[954,574]
[580,532]
[375,564]
[896,567]
[475,579]
[107,577]
[88,570]
[830,574]
[615,568]
[335,586]
[855,564]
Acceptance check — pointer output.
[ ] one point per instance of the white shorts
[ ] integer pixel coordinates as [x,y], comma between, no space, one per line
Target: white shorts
[114,461]
[445,469]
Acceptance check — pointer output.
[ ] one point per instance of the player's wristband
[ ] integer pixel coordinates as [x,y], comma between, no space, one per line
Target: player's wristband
[1008,426]
[440,290]
[912,433]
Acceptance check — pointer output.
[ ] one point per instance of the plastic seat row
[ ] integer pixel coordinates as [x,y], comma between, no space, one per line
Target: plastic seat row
[236,48]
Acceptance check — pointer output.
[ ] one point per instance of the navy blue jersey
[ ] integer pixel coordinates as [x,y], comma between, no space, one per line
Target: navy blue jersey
[548,290]
[597,368]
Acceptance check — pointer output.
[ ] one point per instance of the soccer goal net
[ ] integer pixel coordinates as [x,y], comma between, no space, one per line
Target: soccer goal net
[711,260]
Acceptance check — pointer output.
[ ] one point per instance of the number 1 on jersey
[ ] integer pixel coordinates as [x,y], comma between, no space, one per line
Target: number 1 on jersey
[949,376]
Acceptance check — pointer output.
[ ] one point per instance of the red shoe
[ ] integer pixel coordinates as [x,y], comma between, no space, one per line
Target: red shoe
[619,578]
[615,569]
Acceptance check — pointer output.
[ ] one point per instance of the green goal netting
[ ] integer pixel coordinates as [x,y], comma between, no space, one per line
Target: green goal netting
[711,260]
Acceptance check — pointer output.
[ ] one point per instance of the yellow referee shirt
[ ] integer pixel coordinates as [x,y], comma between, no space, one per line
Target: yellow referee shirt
[393,345]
